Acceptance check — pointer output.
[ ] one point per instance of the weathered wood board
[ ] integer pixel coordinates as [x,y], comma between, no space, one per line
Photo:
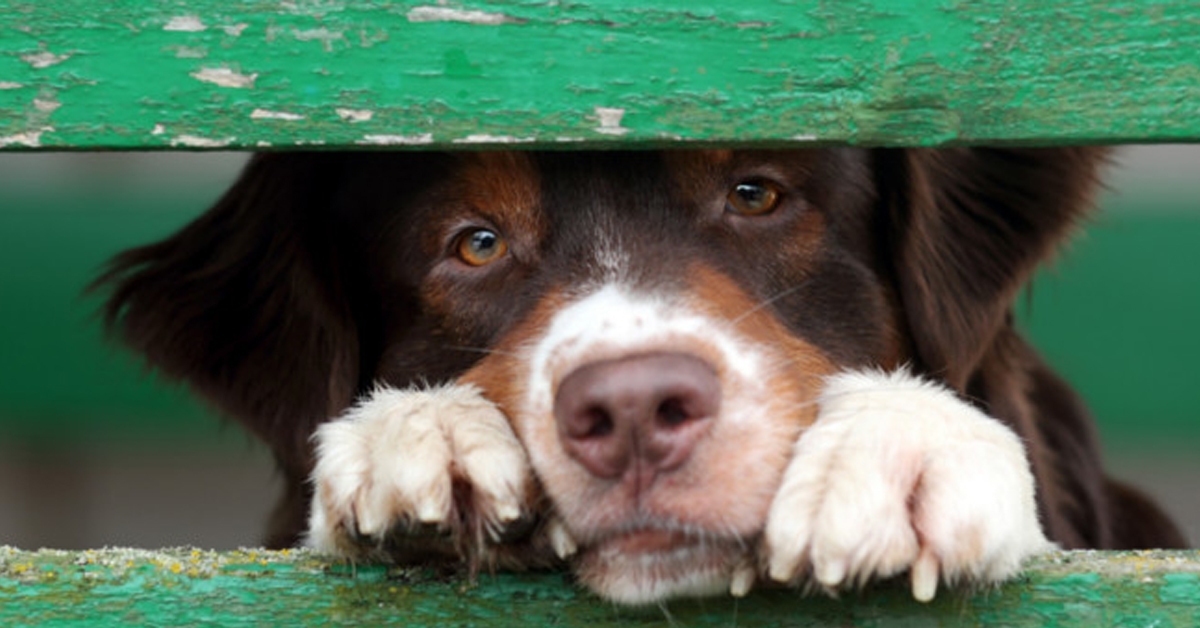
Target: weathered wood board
[184,587]
[124,74]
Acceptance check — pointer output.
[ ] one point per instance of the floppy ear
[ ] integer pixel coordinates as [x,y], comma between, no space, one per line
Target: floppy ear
[969,226]
[247,303]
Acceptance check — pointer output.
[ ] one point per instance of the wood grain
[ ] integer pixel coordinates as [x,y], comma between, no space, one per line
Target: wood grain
[211,74]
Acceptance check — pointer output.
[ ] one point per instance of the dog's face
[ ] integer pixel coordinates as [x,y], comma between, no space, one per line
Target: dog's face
[655,325]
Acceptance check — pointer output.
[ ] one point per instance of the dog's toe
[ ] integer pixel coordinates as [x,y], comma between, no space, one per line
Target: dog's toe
[899,474]
[418,464]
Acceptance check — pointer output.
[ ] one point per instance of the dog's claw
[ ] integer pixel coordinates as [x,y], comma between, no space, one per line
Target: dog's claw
[507,512]
[742,580]
[831,573]
[560,540]
[924,576]
[431,511]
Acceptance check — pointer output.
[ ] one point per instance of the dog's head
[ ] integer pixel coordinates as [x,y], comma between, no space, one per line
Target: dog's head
[655,324]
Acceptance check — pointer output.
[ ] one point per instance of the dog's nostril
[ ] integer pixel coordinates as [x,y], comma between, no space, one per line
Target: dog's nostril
[672,411]
[598,423]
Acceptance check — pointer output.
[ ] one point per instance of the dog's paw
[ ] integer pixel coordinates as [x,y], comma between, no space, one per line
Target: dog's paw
[897,474]
[416,472]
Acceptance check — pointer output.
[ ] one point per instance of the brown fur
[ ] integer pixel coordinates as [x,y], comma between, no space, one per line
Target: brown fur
[319,274]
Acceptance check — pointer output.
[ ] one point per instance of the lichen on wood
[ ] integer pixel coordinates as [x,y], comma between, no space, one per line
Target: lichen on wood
[190,587]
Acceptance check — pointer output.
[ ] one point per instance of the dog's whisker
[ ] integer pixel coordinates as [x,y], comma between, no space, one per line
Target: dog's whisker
[762,304]
[662,607]
[483,350]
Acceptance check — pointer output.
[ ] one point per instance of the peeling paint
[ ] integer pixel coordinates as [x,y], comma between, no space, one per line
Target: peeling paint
[195,141]
[190,52]
[28,139]
[323,35]
[610,121]
[396,140]
[158,130]
[486,138]
[46,106]
[401,71]
[225,77]
[185,24]
[264,114]
[355,115]
[44,59]
[449,14]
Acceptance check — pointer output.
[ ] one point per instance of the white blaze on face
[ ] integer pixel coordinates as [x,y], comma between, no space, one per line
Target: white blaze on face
[715,501]
[612,323]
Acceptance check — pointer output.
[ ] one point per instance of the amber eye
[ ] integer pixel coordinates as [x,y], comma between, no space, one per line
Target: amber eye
[753,198]
[478,247]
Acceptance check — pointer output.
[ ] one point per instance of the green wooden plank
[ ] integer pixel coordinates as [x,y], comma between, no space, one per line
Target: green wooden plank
[182,587]
[255,74]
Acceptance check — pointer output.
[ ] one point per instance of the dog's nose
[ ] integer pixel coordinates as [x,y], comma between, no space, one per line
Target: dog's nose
[644,412]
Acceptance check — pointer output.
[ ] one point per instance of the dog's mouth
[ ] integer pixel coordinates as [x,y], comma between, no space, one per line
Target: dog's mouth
[649,563]
[648,541]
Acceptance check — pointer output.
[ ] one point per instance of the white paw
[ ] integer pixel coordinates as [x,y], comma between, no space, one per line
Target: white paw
[411,462]
[897,473]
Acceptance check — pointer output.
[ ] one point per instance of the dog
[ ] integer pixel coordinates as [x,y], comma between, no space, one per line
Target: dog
[678,372]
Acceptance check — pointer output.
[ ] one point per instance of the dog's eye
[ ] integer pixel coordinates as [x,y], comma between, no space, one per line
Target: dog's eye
[478,247]
[753,198]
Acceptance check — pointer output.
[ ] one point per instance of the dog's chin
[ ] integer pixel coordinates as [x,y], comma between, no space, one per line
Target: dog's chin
[651,565]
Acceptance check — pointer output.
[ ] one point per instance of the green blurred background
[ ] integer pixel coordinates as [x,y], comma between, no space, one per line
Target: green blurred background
[94,451]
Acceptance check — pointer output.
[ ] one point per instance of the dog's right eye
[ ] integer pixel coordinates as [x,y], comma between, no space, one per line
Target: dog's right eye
[478,247]
[754,198]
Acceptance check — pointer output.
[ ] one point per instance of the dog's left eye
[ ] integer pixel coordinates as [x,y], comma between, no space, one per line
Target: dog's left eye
[478,247]
[753,198]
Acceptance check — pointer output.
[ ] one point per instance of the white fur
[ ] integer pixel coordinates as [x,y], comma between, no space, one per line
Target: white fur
[391,459]
[614,322]
[898,473]
[727,488]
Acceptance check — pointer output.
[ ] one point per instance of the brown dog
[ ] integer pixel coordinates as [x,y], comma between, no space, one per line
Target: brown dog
[679,371]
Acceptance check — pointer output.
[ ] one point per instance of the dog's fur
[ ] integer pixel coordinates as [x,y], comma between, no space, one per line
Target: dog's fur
[843,331]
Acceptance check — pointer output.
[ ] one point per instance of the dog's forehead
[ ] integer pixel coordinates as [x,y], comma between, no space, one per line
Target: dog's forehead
[505,185]
[549,196]
[539,195]
[517,183]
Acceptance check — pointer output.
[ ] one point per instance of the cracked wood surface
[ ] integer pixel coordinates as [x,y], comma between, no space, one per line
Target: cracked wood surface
[187,587]
[211,74]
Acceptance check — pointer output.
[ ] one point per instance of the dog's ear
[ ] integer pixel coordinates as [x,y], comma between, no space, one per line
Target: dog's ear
[968,228]
[248,305]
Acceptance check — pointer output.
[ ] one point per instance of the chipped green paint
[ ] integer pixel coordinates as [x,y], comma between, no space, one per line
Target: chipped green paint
[185,587]
[213,74]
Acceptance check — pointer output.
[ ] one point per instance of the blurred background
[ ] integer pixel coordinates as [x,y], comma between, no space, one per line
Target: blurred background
[95,451]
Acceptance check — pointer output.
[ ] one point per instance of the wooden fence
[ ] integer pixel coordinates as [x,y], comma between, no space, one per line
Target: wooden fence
[370,74]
